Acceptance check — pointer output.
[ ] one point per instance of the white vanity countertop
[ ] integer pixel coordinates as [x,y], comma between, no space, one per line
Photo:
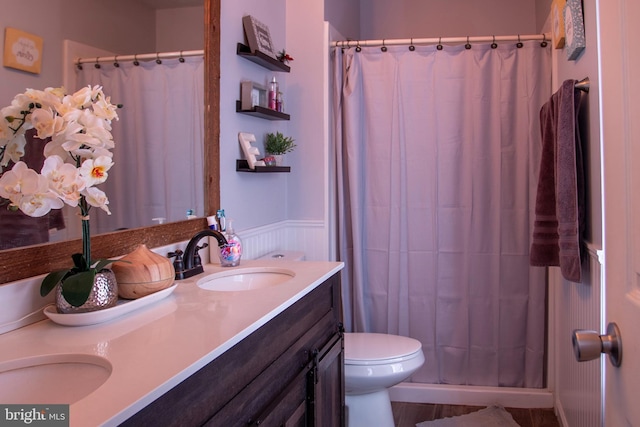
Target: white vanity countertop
[156,347]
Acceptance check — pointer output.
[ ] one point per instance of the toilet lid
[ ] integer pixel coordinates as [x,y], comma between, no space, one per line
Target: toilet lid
[371,348]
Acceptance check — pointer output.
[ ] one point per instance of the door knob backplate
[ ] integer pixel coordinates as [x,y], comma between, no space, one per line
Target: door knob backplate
[588,345]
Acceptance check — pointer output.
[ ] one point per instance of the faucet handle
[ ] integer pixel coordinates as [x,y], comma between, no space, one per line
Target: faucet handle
[196,256]
[178,263]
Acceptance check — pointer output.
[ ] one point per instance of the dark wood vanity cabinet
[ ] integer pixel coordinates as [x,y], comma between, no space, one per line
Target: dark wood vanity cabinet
[287,373]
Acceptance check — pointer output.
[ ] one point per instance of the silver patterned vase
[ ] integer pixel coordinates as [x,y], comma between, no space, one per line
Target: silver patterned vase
[104,294]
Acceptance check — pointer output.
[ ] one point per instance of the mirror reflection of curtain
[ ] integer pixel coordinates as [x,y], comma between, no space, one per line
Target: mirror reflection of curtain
[437,154]
[159,147]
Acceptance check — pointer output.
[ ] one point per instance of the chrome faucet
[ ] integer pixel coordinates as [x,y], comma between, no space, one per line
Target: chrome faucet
[190,268]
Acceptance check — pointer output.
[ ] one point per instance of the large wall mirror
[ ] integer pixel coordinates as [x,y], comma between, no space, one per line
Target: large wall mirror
[33,260]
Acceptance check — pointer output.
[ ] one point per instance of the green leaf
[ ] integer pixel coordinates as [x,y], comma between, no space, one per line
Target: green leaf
[80,262]
[51,280]
[76,288]
[102,263]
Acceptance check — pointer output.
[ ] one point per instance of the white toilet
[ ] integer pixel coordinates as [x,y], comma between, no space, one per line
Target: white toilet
[373,364]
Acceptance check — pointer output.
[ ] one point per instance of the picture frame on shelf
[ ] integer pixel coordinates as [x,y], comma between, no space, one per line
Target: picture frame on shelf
[258,36]
[252,95]
[574,29]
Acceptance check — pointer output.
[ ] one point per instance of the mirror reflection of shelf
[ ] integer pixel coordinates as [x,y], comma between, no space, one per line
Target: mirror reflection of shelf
[261,59]
[243,166]
[262,112]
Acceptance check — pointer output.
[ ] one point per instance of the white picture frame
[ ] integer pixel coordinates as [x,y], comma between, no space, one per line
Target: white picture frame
[258,36]
[252,95]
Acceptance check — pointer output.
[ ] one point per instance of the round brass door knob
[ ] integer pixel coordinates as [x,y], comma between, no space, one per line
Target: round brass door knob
[588,345]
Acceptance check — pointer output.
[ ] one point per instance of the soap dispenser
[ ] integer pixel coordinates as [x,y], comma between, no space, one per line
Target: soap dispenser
[231,253]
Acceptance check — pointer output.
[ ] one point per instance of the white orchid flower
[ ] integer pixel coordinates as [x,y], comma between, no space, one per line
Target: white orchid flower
[41,202]
[14,150]
[79,127]
[64,180]
[5,132]
[97,198]
[46,122]
[104,109]
[18,181]
[94,171]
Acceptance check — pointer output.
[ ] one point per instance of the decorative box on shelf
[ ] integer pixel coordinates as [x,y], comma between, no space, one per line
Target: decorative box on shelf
[243,166]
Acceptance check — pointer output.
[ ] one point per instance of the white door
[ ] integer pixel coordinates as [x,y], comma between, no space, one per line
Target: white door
[620,120]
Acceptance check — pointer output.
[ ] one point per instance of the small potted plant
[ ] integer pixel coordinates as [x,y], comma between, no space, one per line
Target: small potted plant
[277,145]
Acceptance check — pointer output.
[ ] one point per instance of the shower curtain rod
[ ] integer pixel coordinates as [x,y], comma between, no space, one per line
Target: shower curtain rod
[140,57]
[439,40]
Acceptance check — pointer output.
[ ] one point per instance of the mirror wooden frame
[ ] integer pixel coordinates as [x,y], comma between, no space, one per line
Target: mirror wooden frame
[34,260]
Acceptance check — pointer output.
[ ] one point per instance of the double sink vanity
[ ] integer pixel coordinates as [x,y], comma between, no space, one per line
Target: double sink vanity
[257,344]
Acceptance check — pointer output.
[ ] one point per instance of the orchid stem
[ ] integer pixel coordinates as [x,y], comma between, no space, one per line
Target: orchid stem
[86,231]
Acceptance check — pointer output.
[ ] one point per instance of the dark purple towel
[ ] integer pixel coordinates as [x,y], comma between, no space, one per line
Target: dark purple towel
[559,220]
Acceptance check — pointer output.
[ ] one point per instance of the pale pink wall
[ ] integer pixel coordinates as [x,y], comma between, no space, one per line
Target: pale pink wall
[344,16]
[445,18]
[121,26]
[185,22]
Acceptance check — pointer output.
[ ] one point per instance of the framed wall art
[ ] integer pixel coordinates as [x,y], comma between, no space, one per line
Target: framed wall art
[574,29]
[258,36]
[557,10]
[22,51]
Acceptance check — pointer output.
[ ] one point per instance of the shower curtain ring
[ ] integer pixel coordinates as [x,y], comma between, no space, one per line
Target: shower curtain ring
[135,59]
[97,64]
[158,61]
[115,61]
[519,44]
[439,46]
[358,48]
[411,46]
[468,45]
[544,40]
[79,65]
[383,48]
[181,59]
[494,44]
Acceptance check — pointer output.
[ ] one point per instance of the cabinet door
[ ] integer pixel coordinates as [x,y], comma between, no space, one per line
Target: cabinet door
[328,390]
[289,408]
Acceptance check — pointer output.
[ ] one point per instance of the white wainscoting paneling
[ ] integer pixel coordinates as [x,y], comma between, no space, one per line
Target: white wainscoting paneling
[578,395]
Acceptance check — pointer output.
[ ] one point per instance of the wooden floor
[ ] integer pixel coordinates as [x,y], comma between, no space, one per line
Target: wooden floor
[408,414]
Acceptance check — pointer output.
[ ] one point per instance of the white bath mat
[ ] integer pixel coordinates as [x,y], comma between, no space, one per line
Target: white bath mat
[493,416]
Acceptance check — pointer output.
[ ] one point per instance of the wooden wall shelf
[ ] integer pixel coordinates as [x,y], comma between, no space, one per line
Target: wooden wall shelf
[261,59]
[243,166]
[262,112]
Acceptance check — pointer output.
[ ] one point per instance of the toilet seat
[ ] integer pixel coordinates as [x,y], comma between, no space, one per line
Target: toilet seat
[379,349]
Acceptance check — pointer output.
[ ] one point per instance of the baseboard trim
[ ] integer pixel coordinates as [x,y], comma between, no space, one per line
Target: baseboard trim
[472,395]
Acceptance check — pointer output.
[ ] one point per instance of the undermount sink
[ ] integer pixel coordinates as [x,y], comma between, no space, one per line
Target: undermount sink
[52,379]
[246,279]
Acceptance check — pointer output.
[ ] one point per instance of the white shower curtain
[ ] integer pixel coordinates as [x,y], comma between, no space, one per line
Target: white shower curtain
[437,154]
[159,149]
